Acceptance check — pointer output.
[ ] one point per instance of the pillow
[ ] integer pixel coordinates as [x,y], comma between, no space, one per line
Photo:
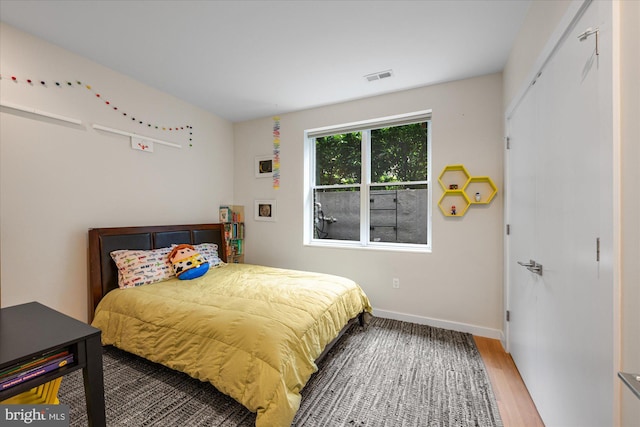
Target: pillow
[187,262]
[142,267]
[210,252]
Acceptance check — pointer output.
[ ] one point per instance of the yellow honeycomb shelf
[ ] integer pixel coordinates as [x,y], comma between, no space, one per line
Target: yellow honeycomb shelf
[461,190]
[483,187]
[454,203]
[453,177]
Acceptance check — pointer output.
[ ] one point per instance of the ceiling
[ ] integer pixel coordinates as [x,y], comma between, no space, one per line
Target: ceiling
[248,59]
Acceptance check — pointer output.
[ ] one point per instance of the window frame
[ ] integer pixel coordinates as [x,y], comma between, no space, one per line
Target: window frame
[309,185]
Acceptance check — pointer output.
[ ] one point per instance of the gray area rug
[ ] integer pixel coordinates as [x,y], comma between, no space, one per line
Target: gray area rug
[390,374]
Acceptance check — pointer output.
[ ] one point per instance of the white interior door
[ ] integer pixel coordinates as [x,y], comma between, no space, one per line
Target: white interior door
[561,329]
[521,196]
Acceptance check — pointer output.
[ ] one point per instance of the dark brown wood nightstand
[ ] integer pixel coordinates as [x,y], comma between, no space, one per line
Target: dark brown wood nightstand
[31,330]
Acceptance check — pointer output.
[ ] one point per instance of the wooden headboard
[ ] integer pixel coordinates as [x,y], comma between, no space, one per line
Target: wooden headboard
[103,274]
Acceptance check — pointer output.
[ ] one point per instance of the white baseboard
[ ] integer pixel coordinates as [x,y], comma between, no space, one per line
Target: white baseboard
[439,323]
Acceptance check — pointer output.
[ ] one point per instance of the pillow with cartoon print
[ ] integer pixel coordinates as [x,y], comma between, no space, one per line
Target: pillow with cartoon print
[210,253]
[142,267]
[187,262]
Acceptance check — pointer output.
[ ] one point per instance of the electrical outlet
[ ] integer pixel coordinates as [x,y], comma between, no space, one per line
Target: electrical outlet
[396,283]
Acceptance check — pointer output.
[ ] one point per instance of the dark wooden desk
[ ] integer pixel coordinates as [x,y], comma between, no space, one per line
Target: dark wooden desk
[29,330]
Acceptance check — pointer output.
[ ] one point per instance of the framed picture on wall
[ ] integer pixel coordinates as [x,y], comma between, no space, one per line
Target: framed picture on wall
[264,166]
[265,210]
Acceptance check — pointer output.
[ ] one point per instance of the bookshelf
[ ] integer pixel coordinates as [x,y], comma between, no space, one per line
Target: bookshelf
[232,216]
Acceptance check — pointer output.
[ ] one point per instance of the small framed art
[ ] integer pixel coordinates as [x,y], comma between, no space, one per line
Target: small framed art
[264,166]
[265,210]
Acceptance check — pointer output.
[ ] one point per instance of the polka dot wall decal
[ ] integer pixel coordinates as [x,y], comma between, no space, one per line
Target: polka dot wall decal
[109,103]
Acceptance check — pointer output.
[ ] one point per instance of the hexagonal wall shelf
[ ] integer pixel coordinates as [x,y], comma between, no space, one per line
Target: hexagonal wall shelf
[454,203]
[482,187]
[462,190]
[453,175]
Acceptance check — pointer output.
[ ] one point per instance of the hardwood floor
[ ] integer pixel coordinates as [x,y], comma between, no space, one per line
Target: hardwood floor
[514,402]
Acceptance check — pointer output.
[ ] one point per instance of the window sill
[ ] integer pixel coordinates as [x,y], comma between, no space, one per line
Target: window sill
[336,244]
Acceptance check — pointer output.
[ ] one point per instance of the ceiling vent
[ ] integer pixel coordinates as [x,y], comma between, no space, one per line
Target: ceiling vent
[379,75]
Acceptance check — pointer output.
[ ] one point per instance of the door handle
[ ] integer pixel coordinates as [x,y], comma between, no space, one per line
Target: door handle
[532,266]
[531,263]
[536,269]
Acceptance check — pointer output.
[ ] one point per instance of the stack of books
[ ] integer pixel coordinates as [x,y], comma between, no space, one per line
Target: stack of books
[229,214]
[27,370]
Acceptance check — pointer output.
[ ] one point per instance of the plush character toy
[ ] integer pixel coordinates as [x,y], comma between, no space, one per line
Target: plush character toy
[187,262]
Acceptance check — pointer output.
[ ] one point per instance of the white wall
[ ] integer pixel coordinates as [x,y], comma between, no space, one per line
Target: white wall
[58,180]
[460,282]
[630,175]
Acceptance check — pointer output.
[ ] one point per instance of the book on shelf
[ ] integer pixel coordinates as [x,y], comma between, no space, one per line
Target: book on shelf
[230,214]
[234,231]
[34,371]
[238,247]
[15,369]
[225,214]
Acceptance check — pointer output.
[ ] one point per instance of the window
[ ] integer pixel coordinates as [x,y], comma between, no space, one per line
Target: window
[368,183]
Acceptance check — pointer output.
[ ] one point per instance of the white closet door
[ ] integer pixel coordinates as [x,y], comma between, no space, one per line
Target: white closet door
[564,350]
[521,195]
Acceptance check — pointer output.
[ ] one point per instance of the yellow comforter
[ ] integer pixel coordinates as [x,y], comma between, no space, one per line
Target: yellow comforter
[252,331]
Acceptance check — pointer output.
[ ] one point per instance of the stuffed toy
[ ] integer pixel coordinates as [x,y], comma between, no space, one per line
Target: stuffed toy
[187,262]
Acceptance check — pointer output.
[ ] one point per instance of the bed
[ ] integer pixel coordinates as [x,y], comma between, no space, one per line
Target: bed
[256,333]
